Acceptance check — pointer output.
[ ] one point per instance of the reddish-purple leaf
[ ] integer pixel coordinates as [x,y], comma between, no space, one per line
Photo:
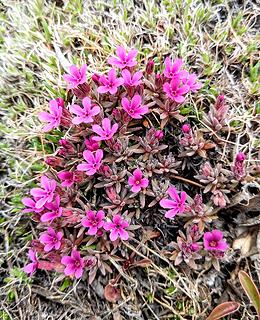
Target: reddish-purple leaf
[111,293]
[223,310]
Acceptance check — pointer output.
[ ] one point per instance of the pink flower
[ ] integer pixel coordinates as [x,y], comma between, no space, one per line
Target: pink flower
[74,264]
[177,204]
[93,221]
[105,132]
[55,211]
[111,83]
[85,114]
[46,193]
[131,80]
[51,239]
[123,59]
[172,69]
[31,267]
[76,76]
[137,181]
[31,204]
[67,178]
[117,228]
[214,241]
[190,80]
[91,144]
[175,91]
[93,159]
[53,118]
[133,107]
[60,102]
[241,157]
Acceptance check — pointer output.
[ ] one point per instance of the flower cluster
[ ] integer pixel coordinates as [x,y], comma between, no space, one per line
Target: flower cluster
[125,155]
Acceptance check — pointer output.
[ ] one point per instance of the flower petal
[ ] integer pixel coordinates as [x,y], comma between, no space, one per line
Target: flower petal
[168,204]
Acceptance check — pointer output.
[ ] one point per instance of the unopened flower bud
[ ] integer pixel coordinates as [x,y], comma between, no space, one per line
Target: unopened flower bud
[158,80]
[95,78]
[185,128]
[149,67]
[240,157]
[220,102]
[54,162]
[159,134]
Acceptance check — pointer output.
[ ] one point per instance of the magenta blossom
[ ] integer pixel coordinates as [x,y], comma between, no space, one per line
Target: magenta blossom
[31,205]
[93,221]
[53,118]
[176,204]
[54,210]
[214,241]
[31,267]
[133,107]
[105,132]
[51,239]
[190,80]
[93,159]
[131,80]
[85,114]
[111,83]
[172,69]
[137,181]
[67,178]
[91,144]
[76,76]
[174,91]
[123,58]
[44,195]
[117,228]
[74,264]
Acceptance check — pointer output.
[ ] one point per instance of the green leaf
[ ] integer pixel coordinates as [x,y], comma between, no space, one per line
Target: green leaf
[250,289]
[223,310]
[4,315]
[66,283]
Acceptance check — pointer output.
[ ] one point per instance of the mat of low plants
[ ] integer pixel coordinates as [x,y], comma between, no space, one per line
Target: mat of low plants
[145,204]
[133,184]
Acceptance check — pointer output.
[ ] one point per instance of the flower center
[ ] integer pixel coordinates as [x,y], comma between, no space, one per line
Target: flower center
[94,222]
[213,243]
[77,264]
[137,182]
[54,240]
